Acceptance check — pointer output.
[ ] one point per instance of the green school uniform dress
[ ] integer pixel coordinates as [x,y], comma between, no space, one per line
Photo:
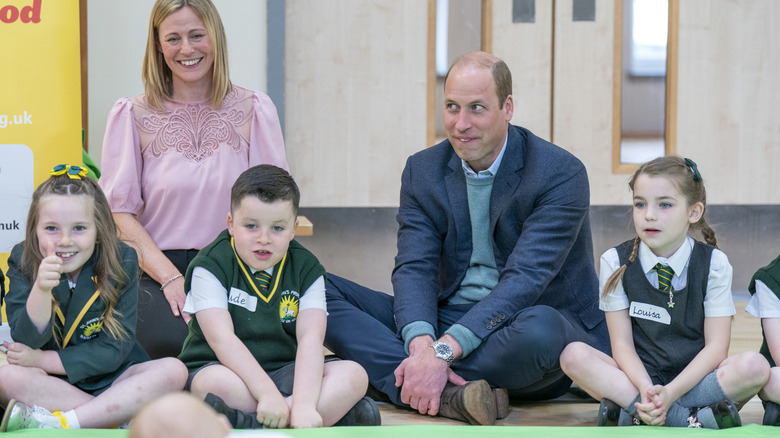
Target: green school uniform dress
[92,358]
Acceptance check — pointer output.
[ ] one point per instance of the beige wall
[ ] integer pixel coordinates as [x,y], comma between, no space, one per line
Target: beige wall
[355,85]
[727,119]
[729,97]
[562,74]
[582,96]
[527,50]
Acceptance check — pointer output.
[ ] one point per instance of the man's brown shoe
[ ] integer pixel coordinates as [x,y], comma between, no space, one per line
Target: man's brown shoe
[502,402]
[473,402]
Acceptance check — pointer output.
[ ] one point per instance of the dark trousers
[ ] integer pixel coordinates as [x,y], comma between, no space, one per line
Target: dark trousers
[158,331]
[522,356]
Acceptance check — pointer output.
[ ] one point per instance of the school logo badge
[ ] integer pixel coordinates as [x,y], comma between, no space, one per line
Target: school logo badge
[91,329]
[288,306]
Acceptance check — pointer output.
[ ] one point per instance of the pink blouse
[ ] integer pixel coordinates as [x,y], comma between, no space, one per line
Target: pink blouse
[174,168]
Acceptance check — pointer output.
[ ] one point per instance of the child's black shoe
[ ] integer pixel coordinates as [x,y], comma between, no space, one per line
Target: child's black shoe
[725,413]
[610,415]
[364,413]
[237,418]
[771,414]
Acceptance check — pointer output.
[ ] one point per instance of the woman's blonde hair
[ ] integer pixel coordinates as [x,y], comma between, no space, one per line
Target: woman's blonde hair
[157,76]
[109,277]
[684,174]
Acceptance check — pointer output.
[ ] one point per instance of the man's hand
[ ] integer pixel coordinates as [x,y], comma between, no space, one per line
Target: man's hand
[422,377]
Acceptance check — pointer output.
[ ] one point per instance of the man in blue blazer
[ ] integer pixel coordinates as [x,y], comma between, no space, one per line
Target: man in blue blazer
[494,274]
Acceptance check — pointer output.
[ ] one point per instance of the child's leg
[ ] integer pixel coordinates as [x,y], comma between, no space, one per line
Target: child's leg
[343,383]
[32,386]
[225,384]
[771,391]
[597,374]
[139,384]
[741,376]
[737,378]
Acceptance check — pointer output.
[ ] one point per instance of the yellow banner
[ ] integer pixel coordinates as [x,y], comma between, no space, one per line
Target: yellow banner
[40,103]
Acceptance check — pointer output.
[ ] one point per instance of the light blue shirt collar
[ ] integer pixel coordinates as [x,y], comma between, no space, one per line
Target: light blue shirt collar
[490,171]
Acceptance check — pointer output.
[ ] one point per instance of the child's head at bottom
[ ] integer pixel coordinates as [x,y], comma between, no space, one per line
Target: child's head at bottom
[263,215]
[178,415]
[70,217]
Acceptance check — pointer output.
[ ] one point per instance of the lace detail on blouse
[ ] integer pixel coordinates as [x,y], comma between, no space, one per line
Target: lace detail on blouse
[195,131]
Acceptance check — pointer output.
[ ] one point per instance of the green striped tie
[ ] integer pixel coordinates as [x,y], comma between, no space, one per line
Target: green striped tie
[665,274]
[263,279]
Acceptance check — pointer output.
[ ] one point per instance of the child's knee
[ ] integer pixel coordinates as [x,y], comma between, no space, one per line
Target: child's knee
[174,371]
[16,373]
[772,387]
[751,368]
[201,385]
[8,375]
[357,375]
[574,355]
[14,377]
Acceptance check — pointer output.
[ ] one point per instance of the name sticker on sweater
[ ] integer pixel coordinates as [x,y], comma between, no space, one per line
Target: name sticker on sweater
[243,299]
[649,312]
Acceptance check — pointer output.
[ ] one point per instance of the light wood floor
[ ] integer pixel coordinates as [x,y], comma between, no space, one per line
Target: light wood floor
[572,410]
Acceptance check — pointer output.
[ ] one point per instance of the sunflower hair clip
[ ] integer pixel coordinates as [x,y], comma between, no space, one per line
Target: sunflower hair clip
[73,172]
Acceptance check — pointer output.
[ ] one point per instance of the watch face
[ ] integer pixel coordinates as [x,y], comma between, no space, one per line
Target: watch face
[443,351]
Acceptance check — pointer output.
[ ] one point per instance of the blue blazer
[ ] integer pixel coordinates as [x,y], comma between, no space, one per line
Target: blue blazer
[540,223]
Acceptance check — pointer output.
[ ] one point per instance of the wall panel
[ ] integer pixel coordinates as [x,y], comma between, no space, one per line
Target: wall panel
[582,98]
[355,97]
[728,113]
[527,50]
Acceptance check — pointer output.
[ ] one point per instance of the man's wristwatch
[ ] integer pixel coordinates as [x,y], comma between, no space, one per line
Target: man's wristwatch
[443,351]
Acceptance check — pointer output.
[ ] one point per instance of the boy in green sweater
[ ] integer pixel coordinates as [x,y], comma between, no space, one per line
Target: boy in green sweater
[254,350]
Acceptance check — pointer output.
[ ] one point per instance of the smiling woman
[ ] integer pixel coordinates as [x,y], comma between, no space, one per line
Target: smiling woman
[188,53]
[191,121]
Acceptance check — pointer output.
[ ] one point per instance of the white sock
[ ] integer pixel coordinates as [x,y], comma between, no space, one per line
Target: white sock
[72,419]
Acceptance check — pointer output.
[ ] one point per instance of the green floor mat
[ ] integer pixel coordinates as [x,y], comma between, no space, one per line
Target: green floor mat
[419,431]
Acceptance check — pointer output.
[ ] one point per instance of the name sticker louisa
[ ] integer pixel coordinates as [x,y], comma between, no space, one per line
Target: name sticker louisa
[649,312]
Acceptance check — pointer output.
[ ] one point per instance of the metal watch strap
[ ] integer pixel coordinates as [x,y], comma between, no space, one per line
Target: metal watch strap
[442,351]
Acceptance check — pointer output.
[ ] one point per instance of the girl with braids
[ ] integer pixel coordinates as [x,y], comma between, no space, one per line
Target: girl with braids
[668,305]
[71,308]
